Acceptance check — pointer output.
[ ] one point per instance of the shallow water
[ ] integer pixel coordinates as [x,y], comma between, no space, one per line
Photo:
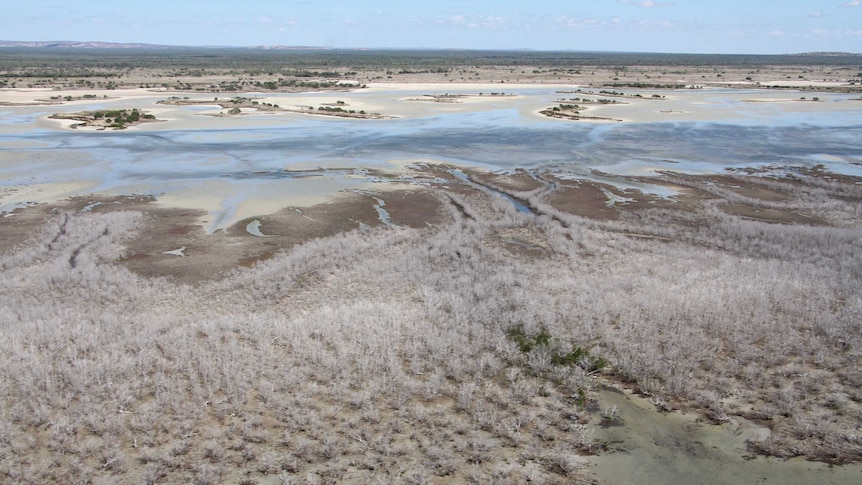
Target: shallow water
[647,446]
[253,228]
[382,214]
[518,205]
[717,129]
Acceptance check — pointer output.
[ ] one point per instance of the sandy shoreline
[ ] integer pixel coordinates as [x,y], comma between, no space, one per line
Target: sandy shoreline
[43,193]
[32,96]
[389,100]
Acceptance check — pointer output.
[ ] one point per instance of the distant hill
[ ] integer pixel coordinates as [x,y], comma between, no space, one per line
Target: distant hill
[826,54]
[81,45]
[73,44]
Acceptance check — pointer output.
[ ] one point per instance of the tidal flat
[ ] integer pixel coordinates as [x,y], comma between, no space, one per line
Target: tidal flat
[461,292]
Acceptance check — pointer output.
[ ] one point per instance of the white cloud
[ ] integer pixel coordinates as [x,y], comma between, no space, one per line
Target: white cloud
[493,22]
[852,3]
[580,23]
[817,14]
[835,33]
[479,21]
[776,33]
[264,20]
[639,26]
[647,3]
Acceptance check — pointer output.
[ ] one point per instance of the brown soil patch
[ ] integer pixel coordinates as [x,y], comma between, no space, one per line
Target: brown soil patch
[208,255]
[772,215]
[584,199]
[747,189]
[21,226]
[822,173]
[587,199]
[520,181]
[521,242]
[413,208]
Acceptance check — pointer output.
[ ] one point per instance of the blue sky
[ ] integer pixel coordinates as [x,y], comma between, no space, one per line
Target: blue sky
[700,26]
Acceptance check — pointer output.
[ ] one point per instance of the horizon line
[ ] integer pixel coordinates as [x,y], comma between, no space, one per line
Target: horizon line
[132,45]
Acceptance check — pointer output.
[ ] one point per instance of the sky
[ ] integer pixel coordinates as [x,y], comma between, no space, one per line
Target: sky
[680,26]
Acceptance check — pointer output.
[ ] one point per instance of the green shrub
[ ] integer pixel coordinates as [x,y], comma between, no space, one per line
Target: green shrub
[578,356]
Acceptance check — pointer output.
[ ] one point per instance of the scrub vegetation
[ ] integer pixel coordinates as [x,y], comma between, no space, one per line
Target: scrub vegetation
[236,70]
[459,352]
[236,104]
[116,119]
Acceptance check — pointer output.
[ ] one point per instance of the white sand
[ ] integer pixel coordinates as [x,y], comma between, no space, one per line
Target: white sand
[439,88]
[15,196]
[802,83]
[34,95]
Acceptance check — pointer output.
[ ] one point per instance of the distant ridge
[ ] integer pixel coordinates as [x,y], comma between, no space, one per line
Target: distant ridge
[826,54]
[73,44]
[291,48]
[82,45]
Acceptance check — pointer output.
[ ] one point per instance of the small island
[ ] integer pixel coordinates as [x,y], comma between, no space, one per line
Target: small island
[453,98]
[118,119]
[235,106]
[568,111]
[617,94]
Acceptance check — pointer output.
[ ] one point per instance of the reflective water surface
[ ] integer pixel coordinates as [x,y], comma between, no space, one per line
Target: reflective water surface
[691,130]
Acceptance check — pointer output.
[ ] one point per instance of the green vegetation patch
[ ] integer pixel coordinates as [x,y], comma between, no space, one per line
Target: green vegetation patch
[117,118]
[577,356]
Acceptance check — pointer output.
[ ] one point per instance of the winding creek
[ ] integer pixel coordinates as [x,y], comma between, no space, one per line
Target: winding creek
[518,204]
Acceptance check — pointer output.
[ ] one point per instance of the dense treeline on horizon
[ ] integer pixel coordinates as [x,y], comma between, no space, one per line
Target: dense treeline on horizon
[221,57]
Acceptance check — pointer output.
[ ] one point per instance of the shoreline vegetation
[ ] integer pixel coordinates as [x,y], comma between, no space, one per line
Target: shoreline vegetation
[118,119]
[447,98]
[236,105]
[573,112]
[568,110]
